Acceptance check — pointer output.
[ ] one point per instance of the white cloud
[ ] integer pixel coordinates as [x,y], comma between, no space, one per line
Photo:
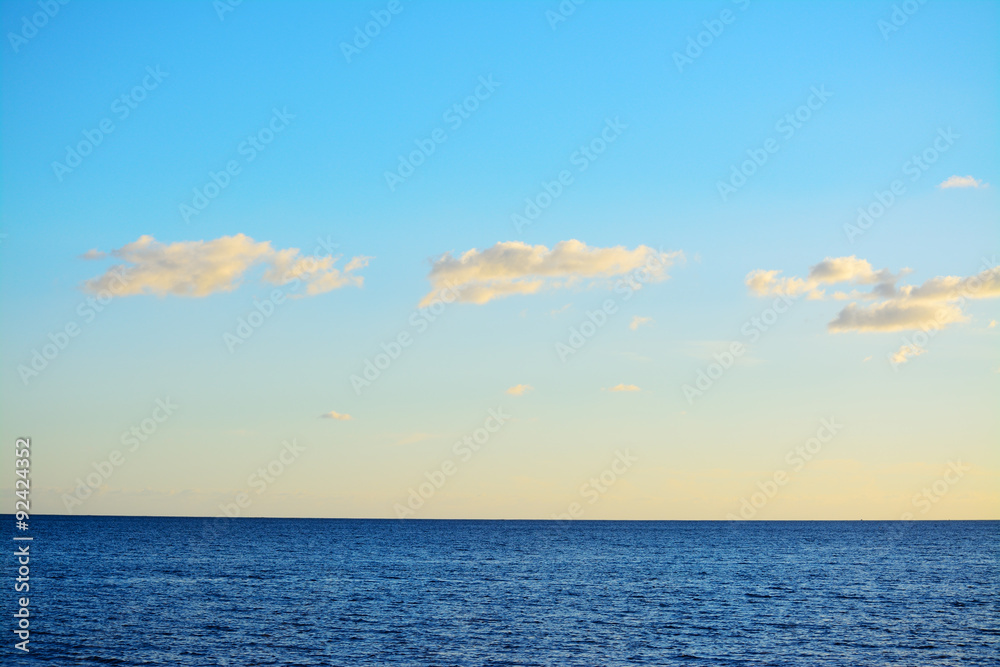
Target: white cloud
[962,182]
[513,267]
[905,352]
[520,389]
[559,311]
[896,315]
[336,415]
[623,387]
[638,322]
[933,304]
[830,271]
[201,268]
[93,253]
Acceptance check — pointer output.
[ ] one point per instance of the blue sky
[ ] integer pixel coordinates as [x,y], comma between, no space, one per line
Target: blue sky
[554,90]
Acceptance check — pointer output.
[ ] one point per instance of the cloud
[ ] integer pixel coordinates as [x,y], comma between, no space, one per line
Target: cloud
[520,389]
[93,253]
[933,304]
[201,268]
[336,415]
[638,322]
[962,182]
[830,271]
[513,267]
[623,387]
[905,352]
[992,324]
[895,315]
[559,311]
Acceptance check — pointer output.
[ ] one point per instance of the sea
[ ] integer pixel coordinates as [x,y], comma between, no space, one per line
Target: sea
[301,592]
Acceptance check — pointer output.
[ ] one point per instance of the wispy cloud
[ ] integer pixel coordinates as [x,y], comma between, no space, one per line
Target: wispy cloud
[201,268]
[905,352]
[638,322]
[513,267]
[559,311]
[623,387]
[520,389]
[962,182]
[336,415]
[93,253]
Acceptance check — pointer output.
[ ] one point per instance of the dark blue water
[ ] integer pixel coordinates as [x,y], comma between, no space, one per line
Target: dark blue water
[171,591]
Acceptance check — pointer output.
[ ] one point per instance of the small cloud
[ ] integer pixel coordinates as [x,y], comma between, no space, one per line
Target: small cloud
[623,387]
[866,359]
[557,311]
[904,353]
[520,389]
[93,253]
[336,415]
[638,322]
[962,182]
[992,324]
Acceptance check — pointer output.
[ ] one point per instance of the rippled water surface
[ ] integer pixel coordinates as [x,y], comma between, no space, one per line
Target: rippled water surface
[175,591]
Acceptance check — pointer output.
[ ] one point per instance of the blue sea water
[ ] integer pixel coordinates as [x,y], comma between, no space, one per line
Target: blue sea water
[182,591]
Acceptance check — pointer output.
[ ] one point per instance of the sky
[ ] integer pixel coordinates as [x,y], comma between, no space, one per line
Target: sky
[536,260]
